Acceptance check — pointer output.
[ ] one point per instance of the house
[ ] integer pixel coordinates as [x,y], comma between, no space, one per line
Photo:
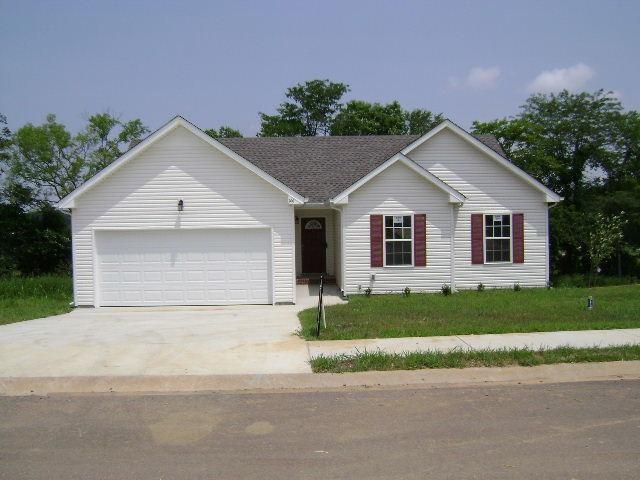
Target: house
[183,219]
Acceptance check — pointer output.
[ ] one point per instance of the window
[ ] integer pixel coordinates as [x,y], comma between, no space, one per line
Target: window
[398,240]
[497,238]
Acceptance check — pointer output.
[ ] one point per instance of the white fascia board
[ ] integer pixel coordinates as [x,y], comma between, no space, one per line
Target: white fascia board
[69,201]
[550,195]
[454,195]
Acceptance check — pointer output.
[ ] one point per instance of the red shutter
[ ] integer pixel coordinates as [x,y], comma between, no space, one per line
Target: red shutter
[518,237]
[477,250]
[375,233]
[420,240]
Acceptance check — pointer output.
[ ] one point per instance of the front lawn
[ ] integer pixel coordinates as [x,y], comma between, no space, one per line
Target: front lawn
[472,312]
[34,297]
[461,359]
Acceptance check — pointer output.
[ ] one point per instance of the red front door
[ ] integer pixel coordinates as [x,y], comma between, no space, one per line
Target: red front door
[314,245]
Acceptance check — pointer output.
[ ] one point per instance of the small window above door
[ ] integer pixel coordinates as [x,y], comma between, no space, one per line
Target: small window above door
[313,224]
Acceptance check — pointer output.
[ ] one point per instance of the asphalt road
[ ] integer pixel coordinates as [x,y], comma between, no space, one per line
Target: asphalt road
[567,431]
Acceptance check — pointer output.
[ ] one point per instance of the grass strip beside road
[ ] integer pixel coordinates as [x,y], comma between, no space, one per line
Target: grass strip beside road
[464,359]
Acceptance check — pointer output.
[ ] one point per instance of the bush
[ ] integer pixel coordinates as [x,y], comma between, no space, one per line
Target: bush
[516,287]
[582,281]
[480,287]
[34,242]
[47,286]
[446,290]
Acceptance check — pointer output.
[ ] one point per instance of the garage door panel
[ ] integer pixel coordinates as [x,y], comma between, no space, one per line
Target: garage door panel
[186,267]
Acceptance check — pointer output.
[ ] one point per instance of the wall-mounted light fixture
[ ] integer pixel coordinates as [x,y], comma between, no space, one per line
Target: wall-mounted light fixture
[180,205]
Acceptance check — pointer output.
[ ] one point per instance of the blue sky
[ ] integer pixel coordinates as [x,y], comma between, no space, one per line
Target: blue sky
[218,62]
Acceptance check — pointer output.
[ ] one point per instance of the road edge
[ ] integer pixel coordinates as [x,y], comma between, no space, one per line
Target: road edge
[431,378]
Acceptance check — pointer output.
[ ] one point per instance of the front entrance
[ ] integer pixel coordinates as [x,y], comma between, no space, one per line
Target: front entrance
[314,245]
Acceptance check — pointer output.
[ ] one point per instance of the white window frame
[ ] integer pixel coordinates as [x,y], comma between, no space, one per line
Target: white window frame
[384,239]
[484,238]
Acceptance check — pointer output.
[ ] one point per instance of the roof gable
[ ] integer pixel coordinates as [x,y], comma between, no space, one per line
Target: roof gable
[492,153]
[454,195]
[69,200]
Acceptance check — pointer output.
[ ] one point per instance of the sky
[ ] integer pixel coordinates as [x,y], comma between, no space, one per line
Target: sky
[221,62]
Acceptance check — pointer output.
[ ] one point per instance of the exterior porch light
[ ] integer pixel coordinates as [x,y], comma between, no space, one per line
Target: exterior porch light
[180,205]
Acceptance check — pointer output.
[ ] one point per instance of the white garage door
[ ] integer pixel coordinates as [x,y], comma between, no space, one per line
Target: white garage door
[185,267]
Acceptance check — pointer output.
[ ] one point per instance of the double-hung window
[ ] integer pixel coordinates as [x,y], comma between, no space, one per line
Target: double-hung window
[497,238]
[398,240]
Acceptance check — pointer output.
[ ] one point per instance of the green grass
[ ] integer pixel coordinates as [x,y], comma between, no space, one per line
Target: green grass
[33,297]
[461,359]
[472,312]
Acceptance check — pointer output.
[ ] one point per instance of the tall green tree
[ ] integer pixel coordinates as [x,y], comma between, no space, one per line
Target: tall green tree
[309,110]
[585,147]
[363,118]
[558,137]
[223,132]
[359,117]
[50,159]
[420,121]
[35,237]
[5,141]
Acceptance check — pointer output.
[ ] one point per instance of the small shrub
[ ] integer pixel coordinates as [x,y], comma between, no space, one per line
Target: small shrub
[481,287]
[446,290]
[516,287]
[406,292]
[367,292]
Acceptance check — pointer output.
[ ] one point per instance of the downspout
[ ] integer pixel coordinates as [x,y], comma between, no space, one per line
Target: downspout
[342,249]
[452,245]
[548,249]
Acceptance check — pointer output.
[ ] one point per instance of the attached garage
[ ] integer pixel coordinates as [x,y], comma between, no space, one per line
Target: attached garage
[219,266]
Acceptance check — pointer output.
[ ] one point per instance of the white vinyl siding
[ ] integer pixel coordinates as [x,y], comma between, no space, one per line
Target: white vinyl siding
[490,188]
[330,230]
[217,191]
[397,190]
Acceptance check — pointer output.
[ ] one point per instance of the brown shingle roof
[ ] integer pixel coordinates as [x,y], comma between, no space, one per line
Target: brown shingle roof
[321,167]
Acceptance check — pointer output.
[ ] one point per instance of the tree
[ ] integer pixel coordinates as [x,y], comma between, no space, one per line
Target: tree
[35,238]
[363,118]
[223,132]
[55,163]
[420,121]
[603,237]
[103,143]
[5,141]
[557,137]
[358,117]
[627,142]
[310,112]
[586,148]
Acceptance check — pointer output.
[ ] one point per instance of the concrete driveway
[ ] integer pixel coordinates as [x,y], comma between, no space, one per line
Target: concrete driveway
[159,341]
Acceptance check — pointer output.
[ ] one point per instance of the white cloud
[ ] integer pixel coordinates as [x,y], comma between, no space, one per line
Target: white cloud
[570,78]
[478,78]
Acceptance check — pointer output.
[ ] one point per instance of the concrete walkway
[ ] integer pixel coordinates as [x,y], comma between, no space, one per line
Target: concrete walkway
[151,341]
[206,341]
[535,340]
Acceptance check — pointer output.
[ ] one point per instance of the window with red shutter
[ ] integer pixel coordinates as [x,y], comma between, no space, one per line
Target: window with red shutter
[477,249]
[420,240]
[376,240]
[518,237]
